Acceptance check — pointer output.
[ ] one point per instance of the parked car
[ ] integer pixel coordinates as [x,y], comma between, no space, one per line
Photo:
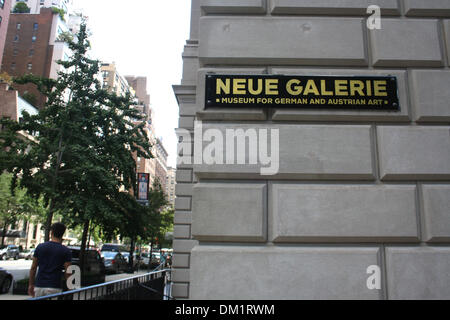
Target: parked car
[26,254]
[9,251]
[136,259]
[94,269]
[115,247]
[156,259]
[144,259]
[6,280]
[114,261]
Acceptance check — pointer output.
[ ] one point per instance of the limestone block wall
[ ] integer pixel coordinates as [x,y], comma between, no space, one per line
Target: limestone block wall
[354,188]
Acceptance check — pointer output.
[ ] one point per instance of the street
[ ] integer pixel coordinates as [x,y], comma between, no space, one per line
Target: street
[20,269]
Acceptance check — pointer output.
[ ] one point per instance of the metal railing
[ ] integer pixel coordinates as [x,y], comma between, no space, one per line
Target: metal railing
[155,285]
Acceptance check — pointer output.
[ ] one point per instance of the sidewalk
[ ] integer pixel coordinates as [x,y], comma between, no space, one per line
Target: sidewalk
[113,277]
[10,296]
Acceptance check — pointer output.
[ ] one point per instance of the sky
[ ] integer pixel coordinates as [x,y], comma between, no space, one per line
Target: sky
[144,38]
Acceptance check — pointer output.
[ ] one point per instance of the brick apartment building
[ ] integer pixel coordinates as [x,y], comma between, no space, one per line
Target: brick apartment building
[32,46]
[12,104]
[139,84]
[113,81]
[5,9]
[157,166]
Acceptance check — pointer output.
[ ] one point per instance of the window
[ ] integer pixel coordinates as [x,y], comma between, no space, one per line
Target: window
[31,53]
[15,52]
[18,26]
[16,38]
[29,66]
[35,26]
[33,39]
[2,3]
[1,21]
[35,232]
[13,66]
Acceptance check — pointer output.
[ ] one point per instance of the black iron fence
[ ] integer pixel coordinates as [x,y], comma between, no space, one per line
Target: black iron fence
[155,285]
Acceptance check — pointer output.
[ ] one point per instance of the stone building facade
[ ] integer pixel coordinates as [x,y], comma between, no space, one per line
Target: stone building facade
[359,207]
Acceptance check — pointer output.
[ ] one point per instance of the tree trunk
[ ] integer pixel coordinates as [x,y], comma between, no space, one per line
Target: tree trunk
[89,238]
[151,253]
[48,222]
[4,233]
[28,231]
[83,245]
[130,260]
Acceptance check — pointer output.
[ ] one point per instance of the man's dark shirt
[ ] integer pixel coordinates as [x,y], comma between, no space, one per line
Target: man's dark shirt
[51,257]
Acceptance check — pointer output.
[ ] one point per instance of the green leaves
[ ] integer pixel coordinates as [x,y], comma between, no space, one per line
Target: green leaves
[80,157]
[16,205]
[21,7]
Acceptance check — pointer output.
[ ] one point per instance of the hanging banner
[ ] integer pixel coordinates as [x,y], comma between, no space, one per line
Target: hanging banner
[280,91]
[143,184]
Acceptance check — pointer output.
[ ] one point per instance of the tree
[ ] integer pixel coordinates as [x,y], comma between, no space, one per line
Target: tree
[81,156]
[157,219]
[21,7]
[30,98]
[59,11]
[141,224]
[166,226]
[15,205]
[6,78]
[9,205]
[65,36]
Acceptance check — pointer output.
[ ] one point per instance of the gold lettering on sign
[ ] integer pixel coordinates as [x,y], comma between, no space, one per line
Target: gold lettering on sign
[295,87]
[223,86]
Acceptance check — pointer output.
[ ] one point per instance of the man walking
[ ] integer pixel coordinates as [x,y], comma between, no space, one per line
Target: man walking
[51,257]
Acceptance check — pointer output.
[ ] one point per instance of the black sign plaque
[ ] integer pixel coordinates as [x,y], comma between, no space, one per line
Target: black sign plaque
[312,92]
